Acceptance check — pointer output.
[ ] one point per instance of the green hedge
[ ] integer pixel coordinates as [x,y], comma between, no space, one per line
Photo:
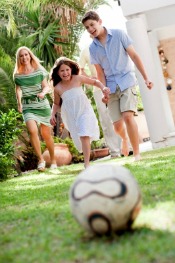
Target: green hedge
[9,130]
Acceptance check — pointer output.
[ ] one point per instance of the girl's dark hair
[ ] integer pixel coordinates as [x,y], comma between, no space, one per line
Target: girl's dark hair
[90,15]
[63,61]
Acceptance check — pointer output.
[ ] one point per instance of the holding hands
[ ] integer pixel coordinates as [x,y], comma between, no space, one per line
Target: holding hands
[106,92]
[105,99]
[53,120]
[41,95]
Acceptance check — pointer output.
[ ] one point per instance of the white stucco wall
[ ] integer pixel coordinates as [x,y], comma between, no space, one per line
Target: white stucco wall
[166,32]
[160,17]
[131,7]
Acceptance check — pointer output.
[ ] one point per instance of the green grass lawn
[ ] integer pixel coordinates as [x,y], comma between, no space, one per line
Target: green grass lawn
[36,225]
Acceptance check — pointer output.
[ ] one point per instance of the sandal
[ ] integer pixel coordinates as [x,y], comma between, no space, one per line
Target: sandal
[53,166]
[41,166]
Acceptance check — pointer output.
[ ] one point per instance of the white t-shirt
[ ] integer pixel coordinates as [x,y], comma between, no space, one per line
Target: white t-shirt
[85,60]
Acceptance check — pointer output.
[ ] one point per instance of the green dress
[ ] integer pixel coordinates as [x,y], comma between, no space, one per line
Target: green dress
[33,107]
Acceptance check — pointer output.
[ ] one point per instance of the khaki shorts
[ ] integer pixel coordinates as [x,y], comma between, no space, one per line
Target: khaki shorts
[122,101]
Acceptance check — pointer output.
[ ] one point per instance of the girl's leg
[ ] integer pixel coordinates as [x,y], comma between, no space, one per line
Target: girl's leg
[86,147]
[34,138]
[46,135]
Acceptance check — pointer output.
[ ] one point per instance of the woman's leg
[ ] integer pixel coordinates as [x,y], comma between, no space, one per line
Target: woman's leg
[86,147]
[46,135]
[34,139]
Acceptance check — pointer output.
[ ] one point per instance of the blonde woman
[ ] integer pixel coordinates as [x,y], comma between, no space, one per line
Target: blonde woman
[31,87]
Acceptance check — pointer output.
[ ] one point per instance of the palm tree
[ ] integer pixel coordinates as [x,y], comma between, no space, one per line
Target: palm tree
[94,4]
[7,89]
[50,27]
[42,31]
[7,16]
[48,24]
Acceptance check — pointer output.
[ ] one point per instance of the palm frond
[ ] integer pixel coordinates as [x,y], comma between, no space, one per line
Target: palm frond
[8,43]
[94,4]
[7,16]
[7,88]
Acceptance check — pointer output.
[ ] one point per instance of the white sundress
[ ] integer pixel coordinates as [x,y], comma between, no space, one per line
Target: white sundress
[78,116]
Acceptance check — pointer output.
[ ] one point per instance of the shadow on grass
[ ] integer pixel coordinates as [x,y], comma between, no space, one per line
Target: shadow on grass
[128,234]
[137,245]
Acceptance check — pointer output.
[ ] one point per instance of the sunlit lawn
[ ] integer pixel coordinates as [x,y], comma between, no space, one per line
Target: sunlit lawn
[36,225]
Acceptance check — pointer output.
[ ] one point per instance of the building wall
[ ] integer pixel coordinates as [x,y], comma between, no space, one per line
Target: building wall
[131,7]
[160,17]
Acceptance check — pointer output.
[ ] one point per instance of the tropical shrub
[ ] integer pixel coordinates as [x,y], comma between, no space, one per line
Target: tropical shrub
[7,88]
[9,123]
[25,155]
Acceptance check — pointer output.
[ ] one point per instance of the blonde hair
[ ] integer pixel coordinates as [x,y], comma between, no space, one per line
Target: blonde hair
[35,62]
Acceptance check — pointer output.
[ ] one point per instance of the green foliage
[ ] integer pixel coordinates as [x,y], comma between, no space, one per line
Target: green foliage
[7,88]
[7,16]
[36,25]
[8,44]
[72,49]
[99,144]
[42,30]
[94,4]
[9,131]
[27,159]
[89,93]
[139,100]
[5,166]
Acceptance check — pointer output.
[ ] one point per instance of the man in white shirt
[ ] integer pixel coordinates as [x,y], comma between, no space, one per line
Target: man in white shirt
[112,141]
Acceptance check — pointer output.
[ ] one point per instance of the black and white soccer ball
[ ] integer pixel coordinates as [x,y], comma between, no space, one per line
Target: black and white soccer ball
[105,198]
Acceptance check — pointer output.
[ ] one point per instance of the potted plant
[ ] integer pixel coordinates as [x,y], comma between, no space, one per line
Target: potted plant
[65,152]
[99,149]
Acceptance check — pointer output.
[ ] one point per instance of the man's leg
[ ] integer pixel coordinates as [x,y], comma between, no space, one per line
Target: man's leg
[133,133]
[120,129]
[112,140]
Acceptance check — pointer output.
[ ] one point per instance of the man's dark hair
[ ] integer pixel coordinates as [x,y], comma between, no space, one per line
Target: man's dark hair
[90,15]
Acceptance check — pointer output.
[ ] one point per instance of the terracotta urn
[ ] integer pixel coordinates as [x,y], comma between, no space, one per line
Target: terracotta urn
[99,153]
[62,154]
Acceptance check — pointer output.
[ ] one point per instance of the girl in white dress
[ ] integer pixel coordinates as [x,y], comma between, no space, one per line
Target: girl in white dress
[76,111]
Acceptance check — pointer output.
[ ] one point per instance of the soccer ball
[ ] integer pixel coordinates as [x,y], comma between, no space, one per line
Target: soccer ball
[105,198]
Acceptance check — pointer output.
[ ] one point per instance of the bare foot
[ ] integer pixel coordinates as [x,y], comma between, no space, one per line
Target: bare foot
[125,148]
[86,165]
[137,158]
